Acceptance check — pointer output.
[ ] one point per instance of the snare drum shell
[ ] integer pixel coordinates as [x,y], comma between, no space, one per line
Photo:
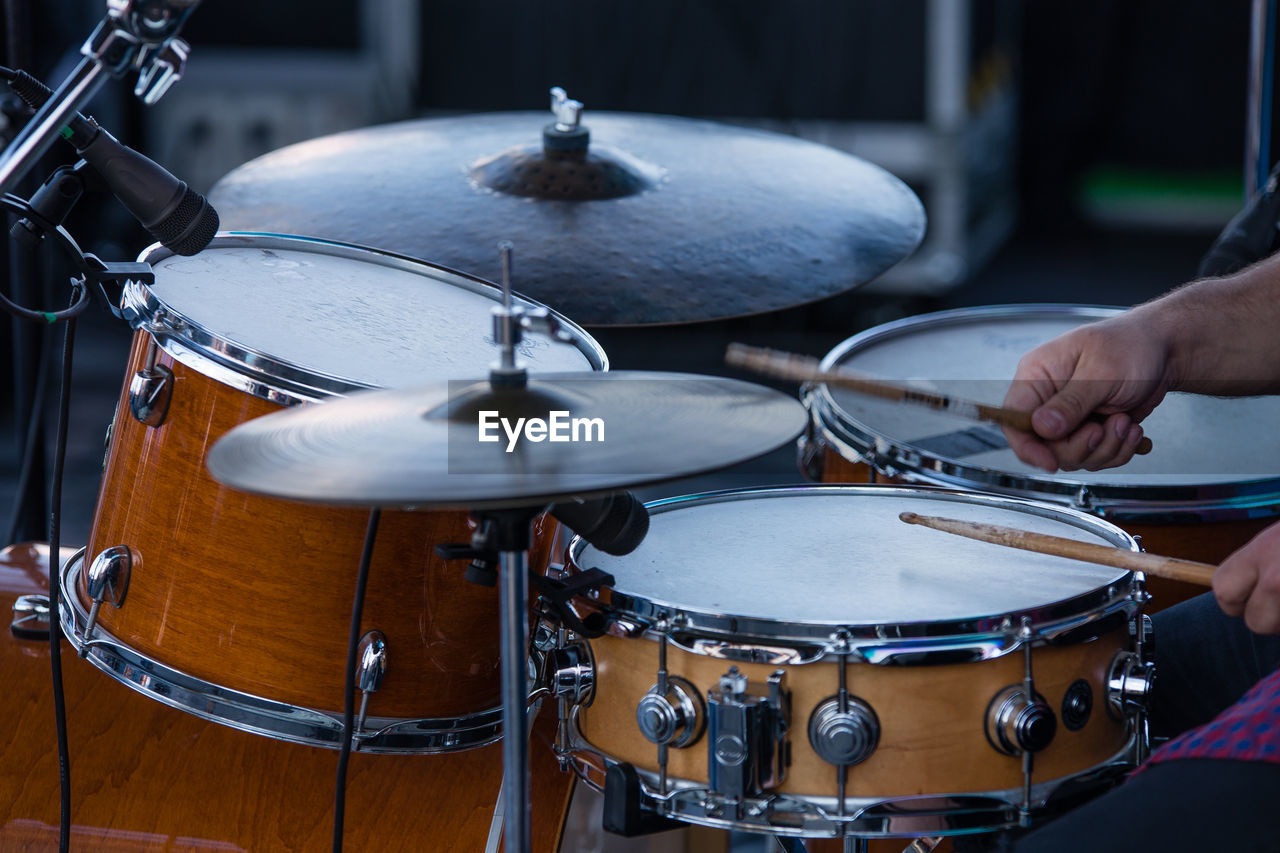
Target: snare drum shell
[932,718]
[255,594]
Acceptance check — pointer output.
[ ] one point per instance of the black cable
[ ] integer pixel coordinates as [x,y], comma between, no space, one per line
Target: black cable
[55,544]
[33,435]
[58,234]
[348,707]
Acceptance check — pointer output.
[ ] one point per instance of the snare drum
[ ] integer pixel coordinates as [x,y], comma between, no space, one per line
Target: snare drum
[798,661]
[236,607]
[1211,482]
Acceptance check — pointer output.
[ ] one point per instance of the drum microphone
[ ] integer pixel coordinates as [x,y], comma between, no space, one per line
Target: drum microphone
[177,216]
[616,524]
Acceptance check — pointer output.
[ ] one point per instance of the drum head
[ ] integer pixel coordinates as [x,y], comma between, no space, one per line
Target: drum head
[828,556]
[321,318]
[1206,449]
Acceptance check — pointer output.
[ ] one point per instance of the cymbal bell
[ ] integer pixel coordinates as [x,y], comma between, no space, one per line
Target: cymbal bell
[427,446]
[654,220]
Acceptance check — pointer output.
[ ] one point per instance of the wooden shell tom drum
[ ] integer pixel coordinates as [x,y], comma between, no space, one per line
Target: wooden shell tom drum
[235,607]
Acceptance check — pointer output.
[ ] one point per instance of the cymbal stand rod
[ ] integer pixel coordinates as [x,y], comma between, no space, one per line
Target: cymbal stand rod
[514,566]
[508,341]
[510,533]
[508,329]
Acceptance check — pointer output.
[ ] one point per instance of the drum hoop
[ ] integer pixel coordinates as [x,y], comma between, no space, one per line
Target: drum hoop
[268,376]
[1256,498]
[807,816]
[981,637]
[247,712]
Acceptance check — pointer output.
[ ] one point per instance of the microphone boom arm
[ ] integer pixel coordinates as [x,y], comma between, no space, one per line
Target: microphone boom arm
[133,33]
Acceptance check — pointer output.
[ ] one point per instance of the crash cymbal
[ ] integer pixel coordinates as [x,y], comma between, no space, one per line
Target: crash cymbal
[649,220]
[422,446]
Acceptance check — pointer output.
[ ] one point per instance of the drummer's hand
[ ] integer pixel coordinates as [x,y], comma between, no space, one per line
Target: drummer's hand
[1248,582]
[1115,368]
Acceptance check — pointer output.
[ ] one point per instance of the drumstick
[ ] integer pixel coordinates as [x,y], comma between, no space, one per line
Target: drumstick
[1138,561]
[803,368]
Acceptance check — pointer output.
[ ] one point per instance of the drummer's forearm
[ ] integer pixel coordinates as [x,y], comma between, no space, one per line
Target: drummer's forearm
[1223,334]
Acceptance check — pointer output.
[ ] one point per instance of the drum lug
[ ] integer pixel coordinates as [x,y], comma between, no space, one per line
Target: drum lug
[844,730]
[1082,499]
[108,575]
[673,716]
[1017,724]
[810,454]
[747,735]
[371,669]
[150,391]
[573,674]
[1129,682]
[30,617]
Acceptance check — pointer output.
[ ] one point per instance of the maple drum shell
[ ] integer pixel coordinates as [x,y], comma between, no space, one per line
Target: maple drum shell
[238,607]
[929,669]
[255,593]
[149,779]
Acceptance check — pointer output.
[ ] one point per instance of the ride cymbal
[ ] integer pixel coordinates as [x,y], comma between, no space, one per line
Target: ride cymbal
[646,219]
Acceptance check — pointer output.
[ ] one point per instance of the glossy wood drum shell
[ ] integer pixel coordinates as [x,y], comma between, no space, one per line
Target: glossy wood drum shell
[932,717]
[146,777]
[255,594]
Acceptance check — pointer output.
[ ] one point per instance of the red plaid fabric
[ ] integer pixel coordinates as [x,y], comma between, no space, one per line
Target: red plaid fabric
[1247,731]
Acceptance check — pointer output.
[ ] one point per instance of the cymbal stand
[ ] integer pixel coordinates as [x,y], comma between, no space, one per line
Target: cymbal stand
[134,34]
[510,533]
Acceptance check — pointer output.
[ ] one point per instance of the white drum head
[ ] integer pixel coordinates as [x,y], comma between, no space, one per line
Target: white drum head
[1200,443]
[343,316]
[840,556]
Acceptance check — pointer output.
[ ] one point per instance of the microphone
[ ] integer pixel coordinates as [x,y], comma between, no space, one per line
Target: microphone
[615,524]
[177,216]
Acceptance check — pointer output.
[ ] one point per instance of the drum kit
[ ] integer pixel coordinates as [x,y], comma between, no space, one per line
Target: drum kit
[788,661]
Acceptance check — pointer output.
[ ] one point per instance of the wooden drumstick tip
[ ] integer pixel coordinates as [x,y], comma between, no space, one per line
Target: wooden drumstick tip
[1043,543]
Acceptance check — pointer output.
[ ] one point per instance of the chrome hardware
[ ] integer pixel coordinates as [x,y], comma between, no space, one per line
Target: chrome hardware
[371,668]
[30,617]
[567,111]
[572,674]
[673,717]
[844,731]
[749,652]
[108,575]
[164,67]
[1129,682]
[1017,724]
[747,735]
[810,451]
[1077,705]
[150,391]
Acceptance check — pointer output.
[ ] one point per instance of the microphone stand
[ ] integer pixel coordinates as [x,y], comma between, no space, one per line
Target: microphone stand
[134,33]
